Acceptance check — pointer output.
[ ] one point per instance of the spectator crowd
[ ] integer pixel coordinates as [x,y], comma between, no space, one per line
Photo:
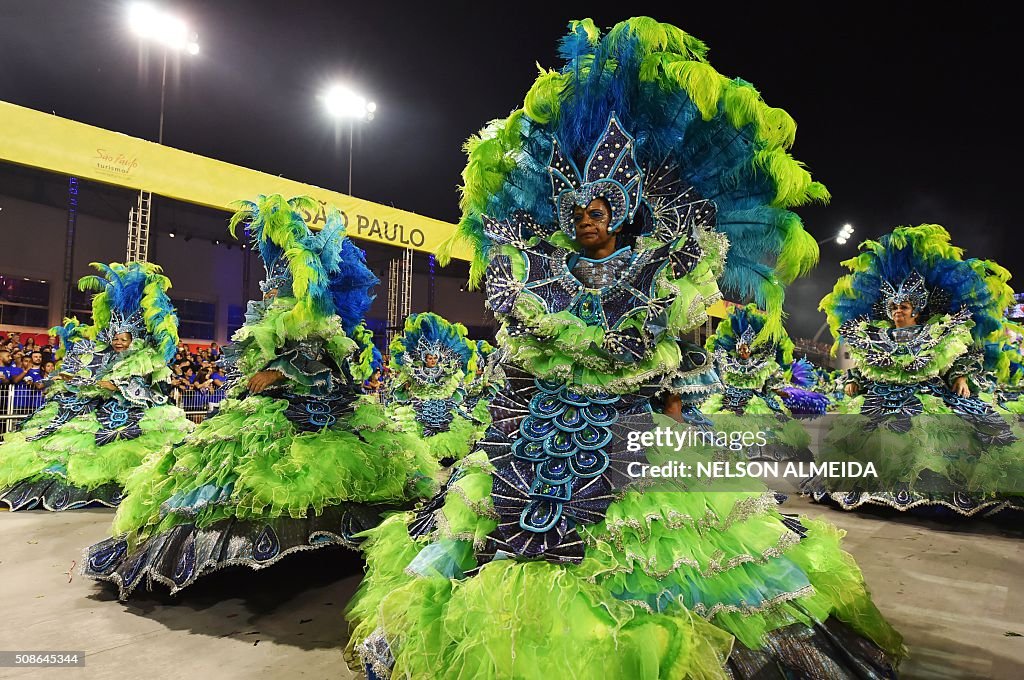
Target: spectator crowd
[27,369]
[198,370]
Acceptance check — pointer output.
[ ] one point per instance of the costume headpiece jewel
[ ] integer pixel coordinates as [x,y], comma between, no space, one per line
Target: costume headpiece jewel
[911,289]
[436,348]
[611,173]
[134,324]
[747,337]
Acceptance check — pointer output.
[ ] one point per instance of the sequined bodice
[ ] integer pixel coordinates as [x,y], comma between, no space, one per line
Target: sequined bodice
[603,272]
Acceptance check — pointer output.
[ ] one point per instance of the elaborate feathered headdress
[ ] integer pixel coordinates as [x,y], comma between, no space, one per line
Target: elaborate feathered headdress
[132,299]
[324,271]
[740,327]
[377,362]
[429,334]
[919,264]
[691,147]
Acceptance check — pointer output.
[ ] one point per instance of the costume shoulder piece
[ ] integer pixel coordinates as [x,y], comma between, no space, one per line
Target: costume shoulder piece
[687,159]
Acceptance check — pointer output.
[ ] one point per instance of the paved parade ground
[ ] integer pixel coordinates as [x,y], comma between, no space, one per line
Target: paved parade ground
[955,592]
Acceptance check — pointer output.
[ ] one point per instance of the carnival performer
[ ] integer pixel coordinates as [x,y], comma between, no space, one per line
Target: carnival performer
[914,315]
[108,408]
[296,458]
[600,212]
[753,377]
[429,365]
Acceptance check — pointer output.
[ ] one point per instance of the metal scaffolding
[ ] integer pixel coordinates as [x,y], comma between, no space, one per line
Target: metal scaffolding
[399,293]
[138,229]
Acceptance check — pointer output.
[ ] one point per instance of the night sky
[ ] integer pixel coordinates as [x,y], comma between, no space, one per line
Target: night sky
[905,114]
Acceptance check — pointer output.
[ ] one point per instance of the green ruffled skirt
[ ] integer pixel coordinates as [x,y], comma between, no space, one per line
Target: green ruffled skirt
[672,585]
[68,461]
[940,464]
[248,487]
[786,437]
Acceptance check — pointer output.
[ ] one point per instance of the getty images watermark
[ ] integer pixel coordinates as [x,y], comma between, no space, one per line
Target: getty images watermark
[667,440]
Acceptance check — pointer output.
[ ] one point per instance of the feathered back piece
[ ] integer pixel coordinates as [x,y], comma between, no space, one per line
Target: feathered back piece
[131,298]
[910,254]
[698,139]
[377,362]
[1002,350]
[71,332]
[483,350]
[802,373]
[428,333]
[324,271]
[742,326]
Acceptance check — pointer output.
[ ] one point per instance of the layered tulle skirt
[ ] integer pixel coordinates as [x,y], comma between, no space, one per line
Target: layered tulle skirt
[933,453]
[252,485]
[86,459]
[673,584]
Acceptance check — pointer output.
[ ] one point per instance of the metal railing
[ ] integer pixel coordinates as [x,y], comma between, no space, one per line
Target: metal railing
[18,402]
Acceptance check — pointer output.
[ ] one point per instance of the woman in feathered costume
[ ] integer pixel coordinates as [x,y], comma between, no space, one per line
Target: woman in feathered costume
[753,376]
[543,558]
[108,408]
[296,458]
[429,364]
[914,315]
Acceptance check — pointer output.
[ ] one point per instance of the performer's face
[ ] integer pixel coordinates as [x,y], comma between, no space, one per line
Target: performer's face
[121,342]
[902,314]
[270,295]
[430,360]
[592,225]
[743,351]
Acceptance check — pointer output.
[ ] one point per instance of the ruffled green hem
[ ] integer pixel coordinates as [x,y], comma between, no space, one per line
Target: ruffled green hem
[453,444]
[250,461]
[71,452]
[536,619]
[725,556]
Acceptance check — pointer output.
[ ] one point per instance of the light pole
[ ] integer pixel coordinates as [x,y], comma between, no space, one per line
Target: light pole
[171,32]
[841,238]
[342,102]
[153,24]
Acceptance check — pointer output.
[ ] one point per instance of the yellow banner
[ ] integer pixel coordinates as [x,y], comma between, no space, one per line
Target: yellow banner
[720,309]
[42,140]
